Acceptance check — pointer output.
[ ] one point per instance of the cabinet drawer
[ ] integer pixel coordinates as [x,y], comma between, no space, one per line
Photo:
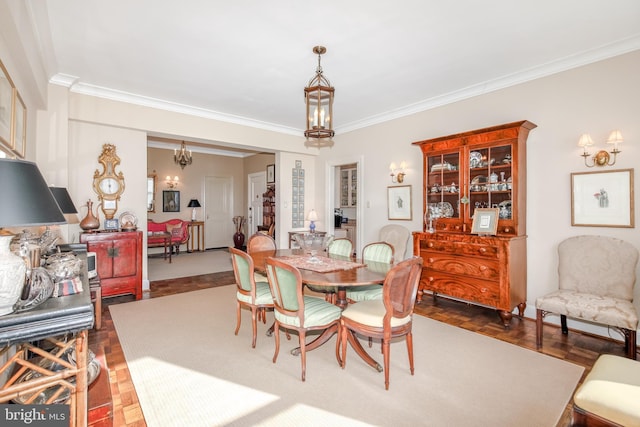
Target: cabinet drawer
[469,266]
[460,248]
[469,289]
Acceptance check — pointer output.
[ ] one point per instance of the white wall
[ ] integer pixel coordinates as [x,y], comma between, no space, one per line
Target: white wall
[596,99]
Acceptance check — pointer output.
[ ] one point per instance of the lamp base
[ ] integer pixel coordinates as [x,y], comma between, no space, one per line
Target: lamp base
[312,227]
[12,276]
[193,214]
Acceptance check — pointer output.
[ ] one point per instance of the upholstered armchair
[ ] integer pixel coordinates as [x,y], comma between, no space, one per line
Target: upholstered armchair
[596,277]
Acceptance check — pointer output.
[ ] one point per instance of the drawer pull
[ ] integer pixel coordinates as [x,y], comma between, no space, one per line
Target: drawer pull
[483,268]
[430,260]
[483,290]
[507,230]
[430,244]
[430,279]
[482,250]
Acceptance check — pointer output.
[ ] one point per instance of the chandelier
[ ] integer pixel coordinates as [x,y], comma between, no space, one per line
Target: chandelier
[318,96]
[183,157]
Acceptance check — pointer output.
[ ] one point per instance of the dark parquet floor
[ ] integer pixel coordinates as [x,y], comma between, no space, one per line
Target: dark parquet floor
[576,347]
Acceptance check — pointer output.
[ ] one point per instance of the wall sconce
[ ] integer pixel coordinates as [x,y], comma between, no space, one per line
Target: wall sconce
[172,183]
[397,175]
[602,157]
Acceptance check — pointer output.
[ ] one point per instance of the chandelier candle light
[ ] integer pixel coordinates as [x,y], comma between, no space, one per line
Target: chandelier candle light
[318,95]
[183,157]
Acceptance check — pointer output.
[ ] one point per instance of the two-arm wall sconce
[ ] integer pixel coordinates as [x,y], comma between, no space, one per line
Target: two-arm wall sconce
[172,183]
[602,157]
[397,174]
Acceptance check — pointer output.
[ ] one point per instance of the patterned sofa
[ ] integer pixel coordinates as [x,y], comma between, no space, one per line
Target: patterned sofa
[178,229]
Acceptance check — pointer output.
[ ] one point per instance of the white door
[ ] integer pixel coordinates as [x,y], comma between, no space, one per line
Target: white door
[218,217]
[257,183]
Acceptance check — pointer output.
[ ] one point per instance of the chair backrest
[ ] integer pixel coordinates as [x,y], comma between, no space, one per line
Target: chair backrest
[378,252]
[285,282]
[398,236]
[598,265]
[400,288]
[243,271]
[261,242]
[340,247]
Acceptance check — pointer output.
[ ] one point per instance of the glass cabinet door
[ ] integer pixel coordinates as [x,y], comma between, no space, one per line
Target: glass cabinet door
[443,189]
[490,184]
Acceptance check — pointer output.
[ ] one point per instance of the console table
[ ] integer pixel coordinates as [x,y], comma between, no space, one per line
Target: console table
[196,227]
[63,322]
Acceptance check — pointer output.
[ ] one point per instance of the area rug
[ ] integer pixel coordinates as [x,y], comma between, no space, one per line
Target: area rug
[188,368]
[189,264]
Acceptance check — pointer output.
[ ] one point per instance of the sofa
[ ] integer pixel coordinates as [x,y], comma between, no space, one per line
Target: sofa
[178,229]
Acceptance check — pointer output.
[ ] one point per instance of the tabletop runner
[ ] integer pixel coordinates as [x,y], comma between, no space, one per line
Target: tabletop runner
[327,265]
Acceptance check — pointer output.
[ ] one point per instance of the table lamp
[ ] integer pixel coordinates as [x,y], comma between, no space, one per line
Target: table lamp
[27,202]
[313,216]
[193,203]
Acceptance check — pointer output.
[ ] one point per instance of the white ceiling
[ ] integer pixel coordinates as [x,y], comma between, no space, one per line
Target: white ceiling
[247,61]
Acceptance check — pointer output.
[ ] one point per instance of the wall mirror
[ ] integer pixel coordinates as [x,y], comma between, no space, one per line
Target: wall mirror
[151,191]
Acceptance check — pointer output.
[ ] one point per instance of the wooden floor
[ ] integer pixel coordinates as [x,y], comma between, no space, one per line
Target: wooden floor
[578,348]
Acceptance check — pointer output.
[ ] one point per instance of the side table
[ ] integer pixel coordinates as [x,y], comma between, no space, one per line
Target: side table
[195,227]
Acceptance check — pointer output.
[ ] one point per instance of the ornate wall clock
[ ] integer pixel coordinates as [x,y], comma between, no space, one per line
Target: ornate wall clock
[108,184]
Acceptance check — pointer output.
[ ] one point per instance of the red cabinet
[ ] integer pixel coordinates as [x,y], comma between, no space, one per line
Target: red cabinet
[119,261]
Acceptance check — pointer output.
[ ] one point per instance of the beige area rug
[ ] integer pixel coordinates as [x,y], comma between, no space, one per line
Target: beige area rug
[189,369]
[189,264]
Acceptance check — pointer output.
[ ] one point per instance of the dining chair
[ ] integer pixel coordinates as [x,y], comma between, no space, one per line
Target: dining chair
[256,296]
[338,248]
[397,236]
[378,252]
[259,242]
[296,311]
[387,318]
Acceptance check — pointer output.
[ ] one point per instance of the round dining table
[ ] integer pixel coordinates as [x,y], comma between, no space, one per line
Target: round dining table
[361,274]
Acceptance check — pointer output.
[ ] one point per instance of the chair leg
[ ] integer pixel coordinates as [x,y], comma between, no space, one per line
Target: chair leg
[385,354]
[303,353]
[343,342]
[539,328]
[238,317]
[563,324]
[276,331]
[630,342]
[254,326]
[409,339]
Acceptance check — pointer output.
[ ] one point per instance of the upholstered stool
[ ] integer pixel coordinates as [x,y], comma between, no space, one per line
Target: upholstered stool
[610,395]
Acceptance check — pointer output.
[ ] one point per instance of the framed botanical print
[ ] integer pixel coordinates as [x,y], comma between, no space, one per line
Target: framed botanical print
[6,104]
[399,202]
[19,127]
[271,174]
[602,199]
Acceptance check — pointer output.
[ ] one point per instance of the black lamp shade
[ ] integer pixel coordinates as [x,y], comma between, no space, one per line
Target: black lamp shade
[26,199]
[194,203]
[63,199]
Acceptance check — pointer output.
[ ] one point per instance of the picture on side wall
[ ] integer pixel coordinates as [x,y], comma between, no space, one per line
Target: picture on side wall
[602,199]
[6,99]
[399,202]
[271,174]
[170,201]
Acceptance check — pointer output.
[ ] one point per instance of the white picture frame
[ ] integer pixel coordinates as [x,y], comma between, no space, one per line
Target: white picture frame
[399,203]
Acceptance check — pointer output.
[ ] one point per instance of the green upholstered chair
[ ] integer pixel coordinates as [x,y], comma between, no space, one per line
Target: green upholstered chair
[295,311]
[378,252]
[387,318]
[256,296]
[340,249]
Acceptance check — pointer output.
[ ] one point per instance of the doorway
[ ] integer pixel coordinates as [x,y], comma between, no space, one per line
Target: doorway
[257,186]
[218,215]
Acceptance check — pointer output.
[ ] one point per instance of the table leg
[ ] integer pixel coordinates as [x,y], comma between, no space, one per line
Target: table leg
[353,340]
[321,339]
[341,297]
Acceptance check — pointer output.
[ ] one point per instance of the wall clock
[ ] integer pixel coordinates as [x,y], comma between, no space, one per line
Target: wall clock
[108,184]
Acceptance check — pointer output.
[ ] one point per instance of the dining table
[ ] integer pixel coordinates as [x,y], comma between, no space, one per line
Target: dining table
[333,272]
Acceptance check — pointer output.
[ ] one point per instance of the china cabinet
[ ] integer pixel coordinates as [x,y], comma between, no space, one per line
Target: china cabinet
[269,207]
[348,187]
[485,168]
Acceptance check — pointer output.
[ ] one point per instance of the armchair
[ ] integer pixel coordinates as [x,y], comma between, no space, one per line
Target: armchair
[596,279]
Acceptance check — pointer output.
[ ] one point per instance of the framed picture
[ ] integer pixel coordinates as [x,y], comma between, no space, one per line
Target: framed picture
[19,127]
[170,201]
[111,224]
[271,174]
[602,199]
[399,202]
[6,100]
[485,221]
